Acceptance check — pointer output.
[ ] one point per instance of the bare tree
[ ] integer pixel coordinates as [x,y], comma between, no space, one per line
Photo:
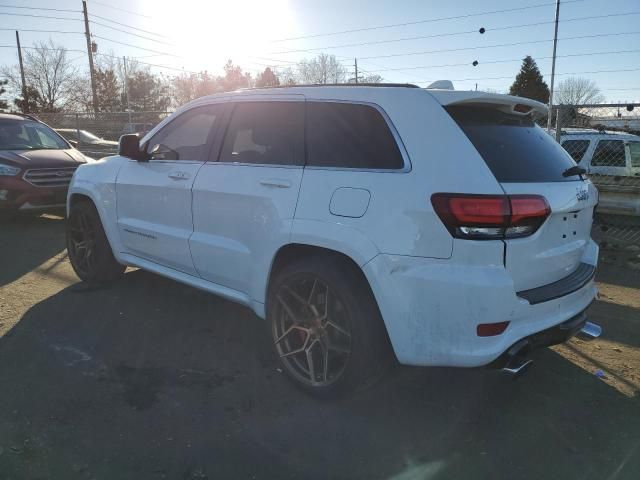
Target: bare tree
[49,72]
[322,69]
[287,76]
[577,91]
[370,78]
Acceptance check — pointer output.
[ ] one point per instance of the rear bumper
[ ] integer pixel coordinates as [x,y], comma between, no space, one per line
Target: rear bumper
[17,195]
[432,307]
[546,338]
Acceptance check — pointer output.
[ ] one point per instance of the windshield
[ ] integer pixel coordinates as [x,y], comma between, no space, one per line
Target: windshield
[513,146]
[24,135]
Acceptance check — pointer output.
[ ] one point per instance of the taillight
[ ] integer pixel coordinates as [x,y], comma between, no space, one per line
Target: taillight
[486,217]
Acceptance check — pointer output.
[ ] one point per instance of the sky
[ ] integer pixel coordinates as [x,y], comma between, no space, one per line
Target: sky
[197,35]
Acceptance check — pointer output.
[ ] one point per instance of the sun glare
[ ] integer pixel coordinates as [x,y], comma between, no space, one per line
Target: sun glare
[211,32]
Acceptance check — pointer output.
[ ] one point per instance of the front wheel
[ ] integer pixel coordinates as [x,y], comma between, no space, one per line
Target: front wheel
[88,247]
[325,325]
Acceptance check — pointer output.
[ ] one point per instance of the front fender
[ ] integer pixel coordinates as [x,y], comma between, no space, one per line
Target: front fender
[97,181]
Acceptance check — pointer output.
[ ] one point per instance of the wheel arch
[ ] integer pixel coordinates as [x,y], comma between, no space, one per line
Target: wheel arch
[292,251]
[106,218]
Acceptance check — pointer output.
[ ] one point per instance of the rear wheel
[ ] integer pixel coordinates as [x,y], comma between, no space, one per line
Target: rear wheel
[326,328]
[88,247]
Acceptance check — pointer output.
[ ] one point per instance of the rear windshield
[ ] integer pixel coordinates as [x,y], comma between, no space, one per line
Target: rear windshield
[513,146]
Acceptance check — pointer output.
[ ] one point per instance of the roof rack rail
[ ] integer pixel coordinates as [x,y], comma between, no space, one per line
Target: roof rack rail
[306,85]
[25,115]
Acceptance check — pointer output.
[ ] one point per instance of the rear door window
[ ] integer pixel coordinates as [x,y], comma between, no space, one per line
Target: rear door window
[265,133]
[515,149]
[576,148]
[609,153]
[348,135]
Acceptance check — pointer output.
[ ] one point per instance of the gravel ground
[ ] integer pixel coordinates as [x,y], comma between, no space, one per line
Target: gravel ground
[149,379]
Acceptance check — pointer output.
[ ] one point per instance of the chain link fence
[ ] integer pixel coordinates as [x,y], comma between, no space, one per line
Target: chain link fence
[604,139]
[97,134]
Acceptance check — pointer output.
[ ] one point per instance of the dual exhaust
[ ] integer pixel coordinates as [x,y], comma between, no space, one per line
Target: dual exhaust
[515,361]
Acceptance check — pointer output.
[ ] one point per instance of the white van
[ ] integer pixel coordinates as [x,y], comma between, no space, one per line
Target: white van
[603,152]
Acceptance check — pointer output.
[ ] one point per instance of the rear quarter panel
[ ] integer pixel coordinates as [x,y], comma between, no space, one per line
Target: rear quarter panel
[400,218]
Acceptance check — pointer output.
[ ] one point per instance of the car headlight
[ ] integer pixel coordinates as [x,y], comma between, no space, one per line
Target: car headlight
[8,170]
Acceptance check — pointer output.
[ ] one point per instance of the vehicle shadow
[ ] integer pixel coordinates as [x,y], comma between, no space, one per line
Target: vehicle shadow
[147,378]
[27,242]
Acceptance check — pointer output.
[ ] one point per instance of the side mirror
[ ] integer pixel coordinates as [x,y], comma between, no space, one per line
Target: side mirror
[73,143]
[129,146]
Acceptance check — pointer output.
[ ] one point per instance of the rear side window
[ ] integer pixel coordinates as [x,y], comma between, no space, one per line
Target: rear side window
[609,153]
[634,150]
[514,148]
[576,148]
[269,133]
[348,135]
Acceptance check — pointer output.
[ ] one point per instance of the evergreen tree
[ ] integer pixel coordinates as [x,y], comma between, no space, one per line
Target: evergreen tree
[108,91]
[267,79]
[33,102]
[529,82]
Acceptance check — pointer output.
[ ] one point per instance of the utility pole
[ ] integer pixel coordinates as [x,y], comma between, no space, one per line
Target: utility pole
[25,96]
[355,63]
[90,53]
[553,67]
[126,86]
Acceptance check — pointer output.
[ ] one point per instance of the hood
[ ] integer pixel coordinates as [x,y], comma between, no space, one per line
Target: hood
[42,158]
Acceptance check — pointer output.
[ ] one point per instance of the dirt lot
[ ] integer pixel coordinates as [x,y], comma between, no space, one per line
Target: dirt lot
[149,379]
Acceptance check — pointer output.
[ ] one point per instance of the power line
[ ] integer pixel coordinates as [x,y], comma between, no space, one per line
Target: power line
[128,26]
[450,34]
[39,8]
[466,64]
[131,33]
[511,76]
[425,52]
[93,2]
[39,31]
[135,46]
[43,48]
[417,22]
[39,16]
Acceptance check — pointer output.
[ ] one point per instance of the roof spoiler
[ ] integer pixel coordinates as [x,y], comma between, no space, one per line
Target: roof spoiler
[506,103]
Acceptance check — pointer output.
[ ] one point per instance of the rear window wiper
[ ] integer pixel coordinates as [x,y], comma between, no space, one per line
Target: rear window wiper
[575,170]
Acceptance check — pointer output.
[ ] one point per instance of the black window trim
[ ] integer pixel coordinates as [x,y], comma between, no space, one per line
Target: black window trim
[232,104]
[394,132]
[212,140]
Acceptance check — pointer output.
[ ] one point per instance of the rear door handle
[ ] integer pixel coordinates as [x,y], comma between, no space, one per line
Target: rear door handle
[275,182]
[179,175]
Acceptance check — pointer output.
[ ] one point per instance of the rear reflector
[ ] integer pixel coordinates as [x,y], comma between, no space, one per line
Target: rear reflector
[487,217]
[491,329]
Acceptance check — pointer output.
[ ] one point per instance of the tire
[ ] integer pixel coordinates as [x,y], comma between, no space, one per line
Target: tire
[321,307]
[88,247]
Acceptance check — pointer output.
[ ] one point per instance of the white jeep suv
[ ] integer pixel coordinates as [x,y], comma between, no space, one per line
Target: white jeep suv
[445,225]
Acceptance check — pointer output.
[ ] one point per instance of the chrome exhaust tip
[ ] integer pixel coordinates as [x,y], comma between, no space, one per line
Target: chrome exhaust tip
[516,366]
[590,331]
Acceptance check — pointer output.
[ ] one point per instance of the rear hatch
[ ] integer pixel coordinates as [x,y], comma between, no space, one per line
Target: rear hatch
[527,161]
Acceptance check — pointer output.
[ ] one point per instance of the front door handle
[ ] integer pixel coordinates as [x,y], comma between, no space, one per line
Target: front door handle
[179,175]
[275,182]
